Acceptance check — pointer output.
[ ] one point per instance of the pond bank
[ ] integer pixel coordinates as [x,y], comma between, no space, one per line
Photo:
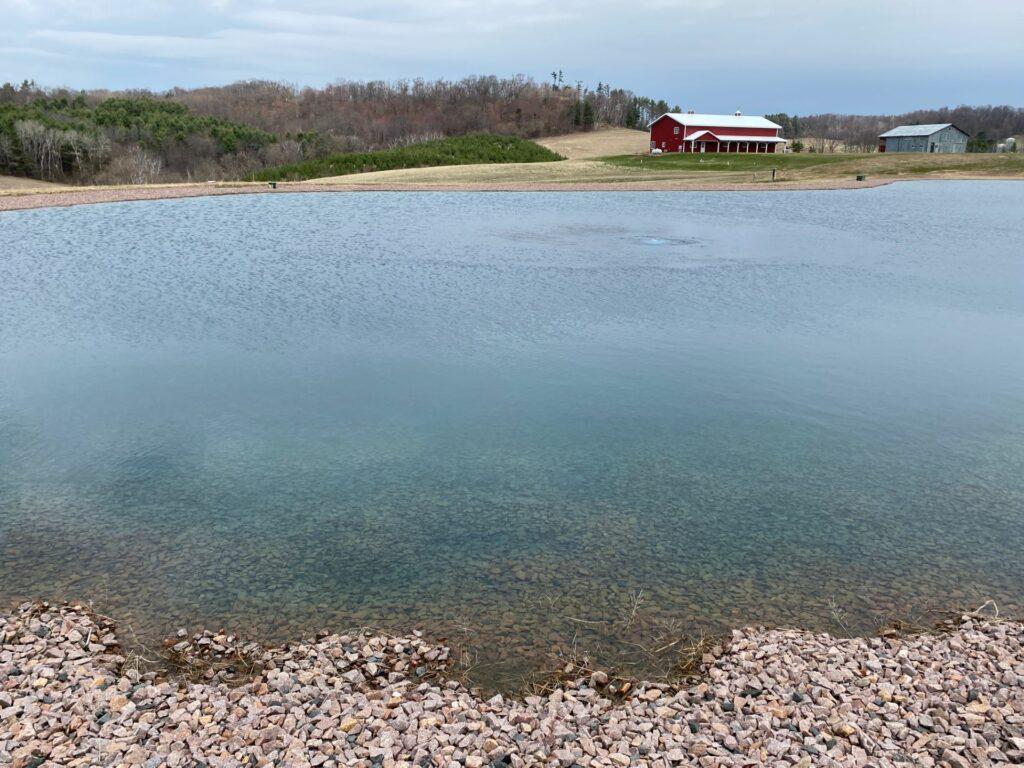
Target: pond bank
[68,196]
[776,697]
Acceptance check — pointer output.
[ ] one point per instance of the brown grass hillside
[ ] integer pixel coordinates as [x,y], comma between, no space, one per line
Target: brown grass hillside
[599,143]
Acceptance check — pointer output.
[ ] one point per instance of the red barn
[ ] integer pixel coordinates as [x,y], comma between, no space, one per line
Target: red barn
[678,132]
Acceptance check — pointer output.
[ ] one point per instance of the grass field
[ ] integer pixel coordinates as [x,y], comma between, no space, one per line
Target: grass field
[619,157]
[817,166]
[712,163]
[600,143]
[21,184]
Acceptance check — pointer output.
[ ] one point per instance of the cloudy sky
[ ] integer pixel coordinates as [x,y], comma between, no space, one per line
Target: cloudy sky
[803,56]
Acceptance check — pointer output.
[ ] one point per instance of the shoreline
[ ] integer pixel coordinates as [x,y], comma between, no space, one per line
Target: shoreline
[62,197]
[72,696]
[65,197]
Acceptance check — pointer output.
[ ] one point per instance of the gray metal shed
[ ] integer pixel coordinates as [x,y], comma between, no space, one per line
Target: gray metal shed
[937,137]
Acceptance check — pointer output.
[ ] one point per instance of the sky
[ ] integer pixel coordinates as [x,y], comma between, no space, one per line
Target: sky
[760,56]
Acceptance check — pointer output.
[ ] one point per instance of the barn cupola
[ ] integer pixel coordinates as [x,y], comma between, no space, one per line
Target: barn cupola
[737,113]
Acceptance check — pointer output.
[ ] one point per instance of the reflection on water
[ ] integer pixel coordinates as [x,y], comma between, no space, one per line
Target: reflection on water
[512,418]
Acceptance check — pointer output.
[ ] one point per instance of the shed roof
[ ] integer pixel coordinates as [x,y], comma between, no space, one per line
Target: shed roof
[719,121]
[917,130]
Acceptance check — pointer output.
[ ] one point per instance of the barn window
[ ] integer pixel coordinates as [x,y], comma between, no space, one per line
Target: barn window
[676,130]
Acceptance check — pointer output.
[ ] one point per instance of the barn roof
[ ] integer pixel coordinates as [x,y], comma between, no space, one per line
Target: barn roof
[917,130]
[718,121]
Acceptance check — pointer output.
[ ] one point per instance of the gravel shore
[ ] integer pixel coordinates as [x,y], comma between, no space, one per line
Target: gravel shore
[69,196]
[70,696]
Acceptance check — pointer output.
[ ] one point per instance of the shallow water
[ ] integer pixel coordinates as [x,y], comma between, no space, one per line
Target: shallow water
[522,420]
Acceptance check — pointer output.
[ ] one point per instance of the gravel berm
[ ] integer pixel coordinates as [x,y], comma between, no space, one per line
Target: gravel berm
[70,196]
[70,696]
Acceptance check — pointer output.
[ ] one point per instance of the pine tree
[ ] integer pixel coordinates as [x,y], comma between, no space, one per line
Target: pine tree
[633,117]
[588,115]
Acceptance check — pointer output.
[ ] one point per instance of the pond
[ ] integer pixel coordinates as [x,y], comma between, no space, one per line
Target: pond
[526,422]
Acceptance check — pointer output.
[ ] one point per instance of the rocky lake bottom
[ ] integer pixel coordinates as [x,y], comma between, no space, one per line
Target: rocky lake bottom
[535,425]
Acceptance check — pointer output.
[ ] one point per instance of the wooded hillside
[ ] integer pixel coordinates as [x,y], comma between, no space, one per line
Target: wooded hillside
[377,115]
[235,131]
[60,137]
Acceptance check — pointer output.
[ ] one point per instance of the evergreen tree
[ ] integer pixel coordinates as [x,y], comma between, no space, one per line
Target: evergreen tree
[633,118]
[980,143]
[588,115]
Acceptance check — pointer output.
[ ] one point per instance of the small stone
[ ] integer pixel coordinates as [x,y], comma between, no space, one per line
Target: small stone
[117,703]
[353,676]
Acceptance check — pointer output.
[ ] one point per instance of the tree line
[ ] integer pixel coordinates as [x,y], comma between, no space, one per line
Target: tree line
[60,136]
[986,126]
[234,131]
[350,116]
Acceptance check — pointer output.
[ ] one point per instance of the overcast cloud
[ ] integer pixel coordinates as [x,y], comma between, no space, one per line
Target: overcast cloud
[861,56]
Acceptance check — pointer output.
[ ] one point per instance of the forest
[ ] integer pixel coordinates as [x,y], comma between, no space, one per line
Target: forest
[378,115]
[64,137]
[236,131]
[986,125]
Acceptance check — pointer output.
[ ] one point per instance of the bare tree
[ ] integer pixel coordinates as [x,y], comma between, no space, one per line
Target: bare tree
[41,147]
[8,152]
[88,152]
[142,167]
[282,153]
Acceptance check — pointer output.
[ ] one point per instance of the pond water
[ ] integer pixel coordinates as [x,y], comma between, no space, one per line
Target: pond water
[521,421]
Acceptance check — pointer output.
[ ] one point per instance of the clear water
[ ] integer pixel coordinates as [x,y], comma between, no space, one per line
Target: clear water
[520,420]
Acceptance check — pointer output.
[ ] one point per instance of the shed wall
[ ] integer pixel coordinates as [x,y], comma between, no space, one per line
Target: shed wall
[950,140]
[947,141]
